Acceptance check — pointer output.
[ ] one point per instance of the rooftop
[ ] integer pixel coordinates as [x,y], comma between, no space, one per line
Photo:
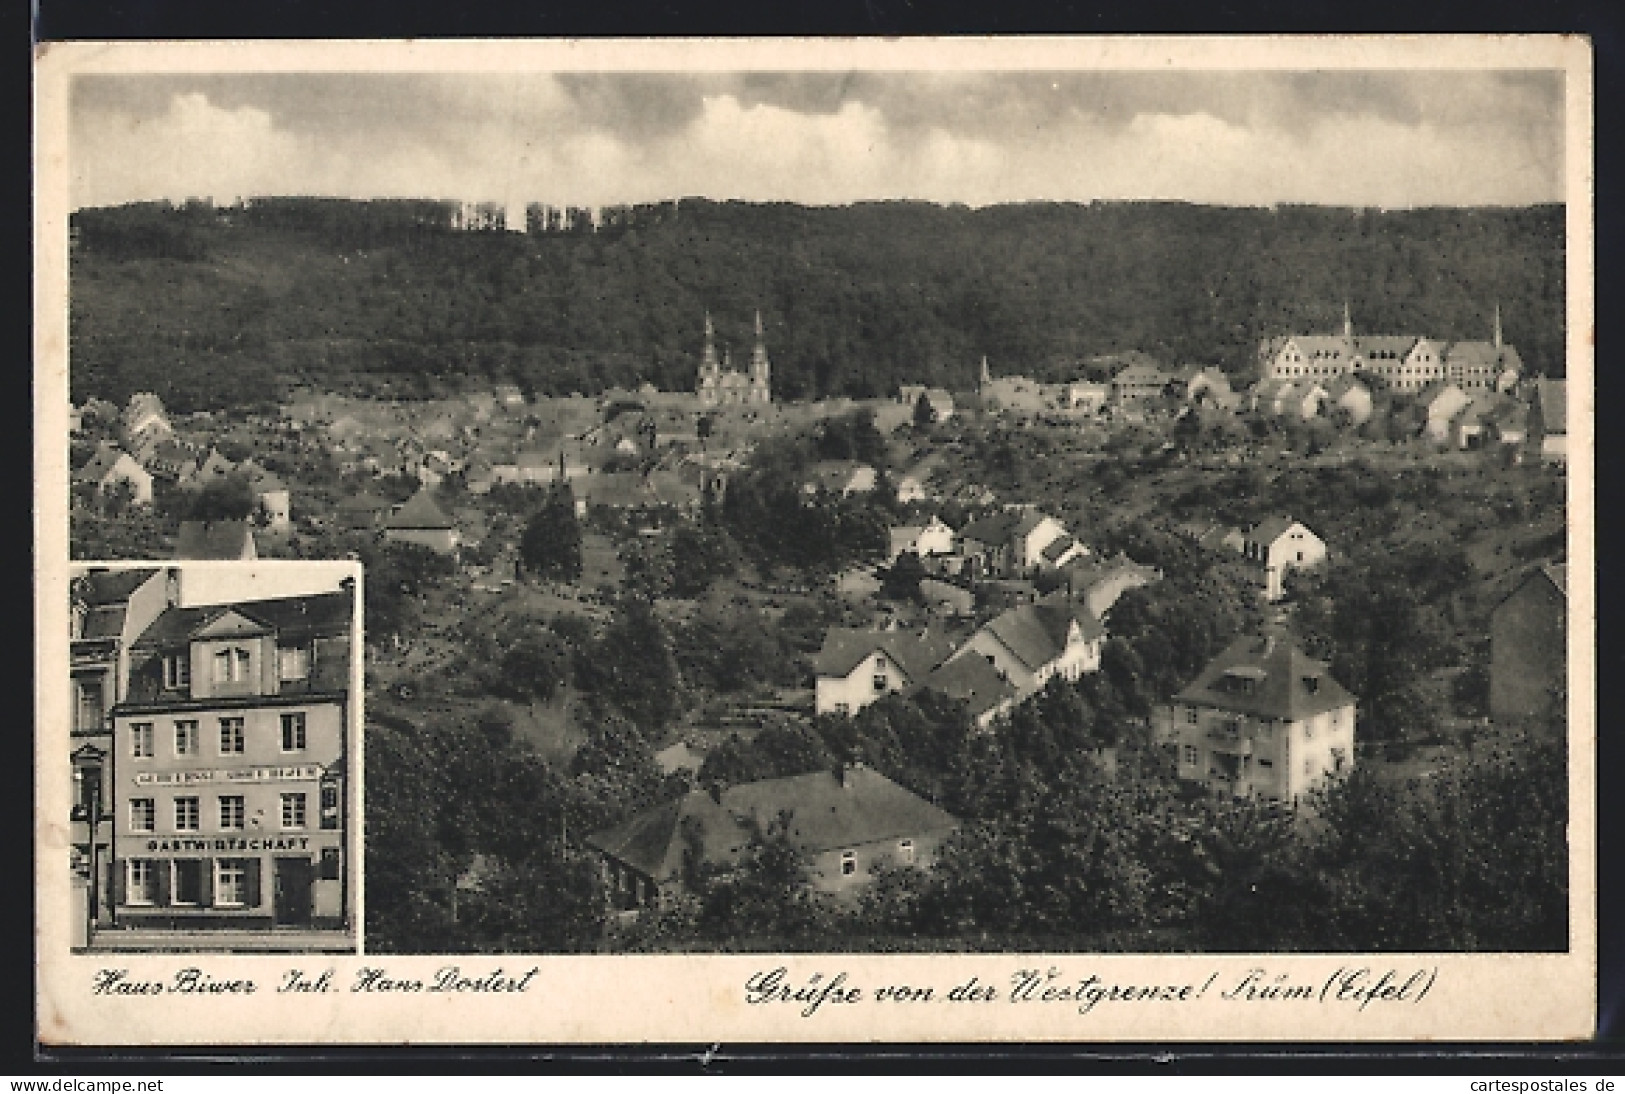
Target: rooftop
[1266,676]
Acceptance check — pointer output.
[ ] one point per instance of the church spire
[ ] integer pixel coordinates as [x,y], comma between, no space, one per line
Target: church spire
[1348,322]
[1497,324]
[987,377]
[708,359]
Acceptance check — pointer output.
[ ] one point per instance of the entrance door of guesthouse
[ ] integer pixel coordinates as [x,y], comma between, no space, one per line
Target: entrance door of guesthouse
[293,881]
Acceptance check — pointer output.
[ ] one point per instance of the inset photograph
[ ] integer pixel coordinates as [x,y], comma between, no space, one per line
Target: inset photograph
[216,716]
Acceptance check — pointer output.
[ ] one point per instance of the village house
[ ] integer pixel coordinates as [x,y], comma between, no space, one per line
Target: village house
[270,495]
[1529,651]
[1140,385]
[843,477]
[1279,544]
[946,600]
[1210,387]
[974,681]
[170,460]
[363,512]
[1010,394]
[1083,397]
[1016,542]
[925,540]
[212,470]
[849,824]
[855,667]
[1548,425]
[423,522]
[1350,397]
[1508,423]
[109,610]
[145,422]
[913,484]
[230,779]
[111,466]
[1031,643]
[216,539]
[1263,719]
[1441,404]
[1097,583]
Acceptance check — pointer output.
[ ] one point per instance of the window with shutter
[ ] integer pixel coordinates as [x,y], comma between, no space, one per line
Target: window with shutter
[251,882]
[161,888]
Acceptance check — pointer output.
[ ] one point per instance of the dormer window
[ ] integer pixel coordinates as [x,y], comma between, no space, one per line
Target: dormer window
[177,672]
[293,663]
[231,666]
[1311,684]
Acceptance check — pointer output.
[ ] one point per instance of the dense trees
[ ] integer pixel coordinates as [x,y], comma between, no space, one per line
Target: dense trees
[369,296]
[550,546]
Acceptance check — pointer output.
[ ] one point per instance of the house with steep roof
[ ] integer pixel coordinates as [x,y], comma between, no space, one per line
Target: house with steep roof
[421,520]
[363,512]
[946,599]
[912,483]
[109,610]
[1529,677]
[849,825]
[216,539]
[231,776]
[145,421]
[843,477]
[974,681]
[1548,421]
[1210,387]
[270,494]
[1012,542]
[1097,583]
[1441,404]
[1262,719]
[1352,398]
[1031,643]
[855,667]
[925,540]
[1139,385]
[1278,544]
[111,466]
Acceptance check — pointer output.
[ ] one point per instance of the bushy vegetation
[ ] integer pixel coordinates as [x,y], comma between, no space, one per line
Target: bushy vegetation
[213,308]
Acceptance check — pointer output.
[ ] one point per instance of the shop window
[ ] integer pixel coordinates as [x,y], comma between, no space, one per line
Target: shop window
[232,811]
[186,738]
[186,814]
[293,811]
[141,740]
[293,732]
[143,815]
[231,736]
[141,881]
[186,881]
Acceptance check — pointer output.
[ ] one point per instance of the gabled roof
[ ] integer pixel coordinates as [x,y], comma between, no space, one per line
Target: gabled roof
[421,512]
[97,468]
[1004,526]
[289,616]
[100,587]
[1143,374]
[1329,346]
[845,648]
[1397,344]
[1279,672]
[826,813]
[220,539]
[973,681]
[1342,385]
[363,503]
[1036,633]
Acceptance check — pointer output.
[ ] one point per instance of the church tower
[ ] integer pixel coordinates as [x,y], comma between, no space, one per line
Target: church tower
[761,376]
[1498,345]
[710,368]
[1348,323]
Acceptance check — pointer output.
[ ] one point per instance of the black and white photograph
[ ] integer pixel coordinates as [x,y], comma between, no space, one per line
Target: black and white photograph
[1015,505]
[213,729]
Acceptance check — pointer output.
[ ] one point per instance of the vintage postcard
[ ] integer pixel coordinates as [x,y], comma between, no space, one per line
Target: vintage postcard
[933,540]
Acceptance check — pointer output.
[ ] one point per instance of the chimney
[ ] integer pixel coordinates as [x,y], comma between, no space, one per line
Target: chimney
[172,587]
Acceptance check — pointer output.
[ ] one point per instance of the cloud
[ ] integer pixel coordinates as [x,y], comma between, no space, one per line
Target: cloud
[1388,138]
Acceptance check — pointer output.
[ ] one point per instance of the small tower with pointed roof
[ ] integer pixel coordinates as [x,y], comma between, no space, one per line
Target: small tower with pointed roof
[1498,325]
[760,368]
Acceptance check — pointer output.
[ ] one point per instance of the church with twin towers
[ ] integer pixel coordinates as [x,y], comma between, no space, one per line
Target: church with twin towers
[720,385]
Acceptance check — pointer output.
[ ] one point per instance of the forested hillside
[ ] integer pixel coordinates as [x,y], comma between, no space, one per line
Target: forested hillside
[223,307]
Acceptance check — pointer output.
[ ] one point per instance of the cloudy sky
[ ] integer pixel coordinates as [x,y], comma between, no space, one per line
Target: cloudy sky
[1389,138]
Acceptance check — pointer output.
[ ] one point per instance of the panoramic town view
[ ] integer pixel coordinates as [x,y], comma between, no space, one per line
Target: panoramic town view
[785,570]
